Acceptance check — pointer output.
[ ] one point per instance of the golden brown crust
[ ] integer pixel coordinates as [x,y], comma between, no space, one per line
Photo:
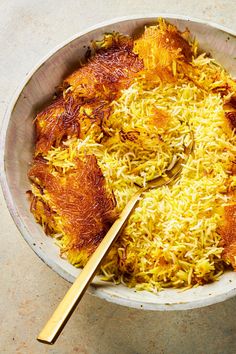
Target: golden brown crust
[230,112]
[55,122]
[228,234]
[228,230]
[106,74]
[160,48]
[231,116]
[232,102]
[87,95]
[173,41]
[80,199]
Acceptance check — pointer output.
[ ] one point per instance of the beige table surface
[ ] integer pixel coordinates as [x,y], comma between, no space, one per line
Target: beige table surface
[29,290]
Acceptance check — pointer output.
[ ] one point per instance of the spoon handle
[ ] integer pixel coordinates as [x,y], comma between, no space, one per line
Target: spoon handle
[58,320]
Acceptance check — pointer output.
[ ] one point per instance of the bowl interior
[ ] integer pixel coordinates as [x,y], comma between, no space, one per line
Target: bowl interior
[17,140]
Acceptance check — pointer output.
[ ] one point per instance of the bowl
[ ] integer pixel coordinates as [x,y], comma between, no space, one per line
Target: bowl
[17,139]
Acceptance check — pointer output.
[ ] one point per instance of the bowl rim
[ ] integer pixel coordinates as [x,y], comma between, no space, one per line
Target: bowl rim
[94,290]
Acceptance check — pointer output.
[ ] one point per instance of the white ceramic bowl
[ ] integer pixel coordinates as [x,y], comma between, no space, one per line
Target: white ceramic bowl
[17,138]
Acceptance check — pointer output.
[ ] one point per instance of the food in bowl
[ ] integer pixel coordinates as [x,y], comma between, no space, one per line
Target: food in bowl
[120,120]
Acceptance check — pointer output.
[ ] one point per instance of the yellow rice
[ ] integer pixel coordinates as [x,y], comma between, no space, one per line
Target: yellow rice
[171,238]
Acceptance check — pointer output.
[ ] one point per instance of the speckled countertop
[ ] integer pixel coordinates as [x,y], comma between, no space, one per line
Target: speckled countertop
[29,290]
